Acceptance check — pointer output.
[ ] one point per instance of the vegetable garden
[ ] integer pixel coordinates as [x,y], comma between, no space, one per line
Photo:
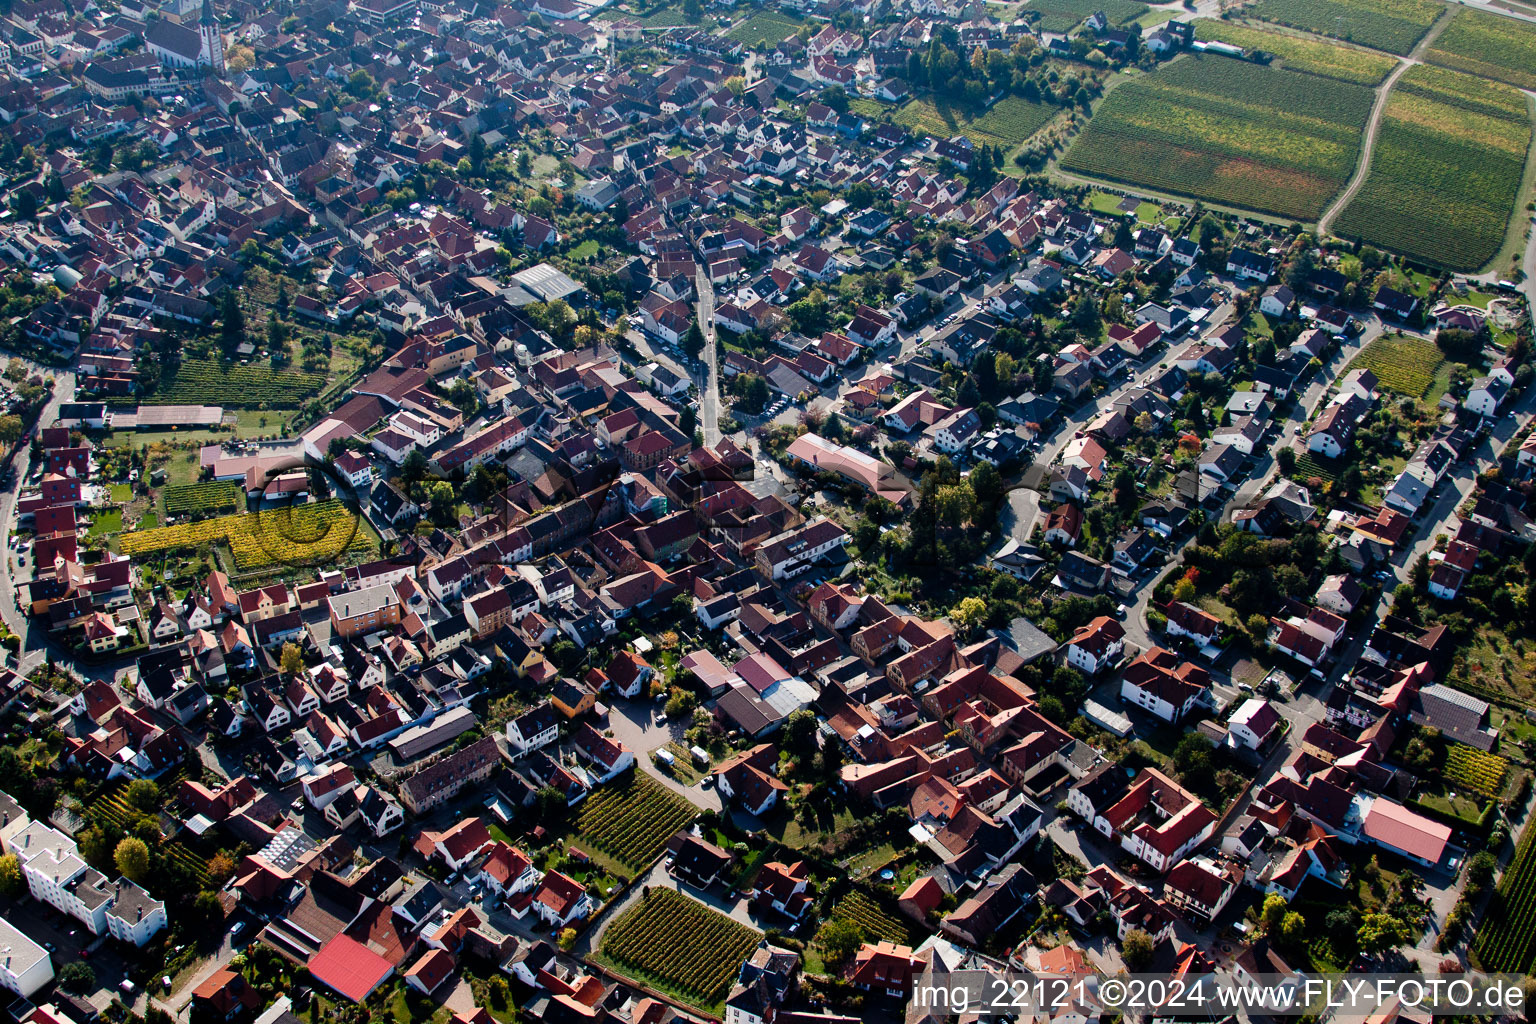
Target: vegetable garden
[1231,132]
[1475,771]
[1505,938]
[201,498]
[680,944]
[631,819]
[1404,365]
[1446,170]
[210,382]
[1391,25]
[1065,15]
[1298,53]
[1488,45]
[311,534]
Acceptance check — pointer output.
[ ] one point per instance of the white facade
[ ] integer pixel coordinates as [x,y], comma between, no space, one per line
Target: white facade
[25,966]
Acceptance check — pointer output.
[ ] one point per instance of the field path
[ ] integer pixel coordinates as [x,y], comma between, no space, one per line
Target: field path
[1383,92]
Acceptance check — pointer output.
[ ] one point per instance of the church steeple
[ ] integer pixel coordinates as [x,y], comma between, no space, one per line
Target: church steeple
[212,39]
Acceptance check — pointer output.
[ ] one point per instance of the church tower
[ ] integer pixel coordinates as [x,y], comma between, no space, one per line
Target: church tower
[211,38]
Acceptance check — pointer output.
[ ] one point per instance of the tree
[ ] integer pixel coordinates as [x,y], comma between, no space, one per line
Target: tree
[1085,315]
[550,803]
[1460,346]
[142,795]
[11,882]
[1272,916]
[132,859]
[232,331]
[800,731]
[292,660]
[10,429]
[1192,757]
[1293,929]
[969,613]
[835,97]
[221,868]
[77,977]
[24,205]
[1286,459]
[1381,932]
[680,703]
[693,11]
[693,341]
[280,305]
[464,396]
[840,939]
[1480,869]
[1126,498]
[1136,950]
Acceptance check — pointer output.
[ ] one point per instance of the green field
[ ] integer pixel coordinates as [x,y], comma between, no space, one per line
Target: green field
[1391,25]
[1446,170]
[1486,44]
[1010,122]
[1065,15]
[209,496]
[1298,53]
[1228,131]
[631,819]
[1505,939]
[1405,365]
[765,28]
[209,382]
[679,945]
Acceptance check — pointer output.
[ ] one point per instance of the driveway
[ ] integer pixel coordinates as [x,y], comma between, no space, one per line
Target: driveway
[633,724]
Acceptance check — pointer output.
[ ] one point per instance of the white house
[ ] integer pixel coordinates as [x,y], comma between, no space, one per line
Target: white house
[26,966]
[1096,645]
[1253,723]
[537,727]
[1486,394]
[135,916]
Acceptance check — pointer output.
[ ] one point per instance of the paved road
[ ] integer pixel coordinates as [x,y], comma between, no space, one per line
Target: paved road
[709,398]
[1373,126]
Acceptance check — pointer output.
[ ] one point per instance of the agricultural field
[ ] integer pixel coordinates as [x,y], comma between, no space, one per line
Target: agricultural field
[209,382]
[1446,170]
[1391,25]
[1065,15]
[201,498]
[113,808]
[678,943]
[1230,132]
[873,920]
[1475,771]
[1488,45]
[1505,938]
[313,534]
[1298,53]
[631,819]
[765,28]
[1404,365]
[1010,122]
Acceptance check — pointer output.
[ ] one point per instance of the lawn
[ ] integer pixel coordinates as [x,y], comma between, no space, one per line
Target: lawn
[1488,45]
[121,492]
[1446,170]
[1391,25]
[631,820]
[1230,132]
[583,252]
[1009,124]
[680,946]
[110,521]
[1298,53]
[765,28]
[1404,365]
[1065,15]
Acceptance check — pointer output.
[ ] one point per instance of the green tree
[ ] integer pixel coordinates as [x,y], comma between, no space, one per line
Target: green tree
[800,731]
[11,429]
[77,977]
[840,939]
[232,331]
[1381,932]
[1293,929]
[1136,949]
[1272,915]
[968,614]
[132,859]
[291,661]
[11,881]
[1285,458]
[280,305]
[693,341]
[142,795]
[693,11]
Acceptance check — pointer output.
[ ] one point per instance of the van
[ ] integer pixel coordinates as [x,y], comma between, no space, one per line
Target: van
[665,757]
[700,755]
